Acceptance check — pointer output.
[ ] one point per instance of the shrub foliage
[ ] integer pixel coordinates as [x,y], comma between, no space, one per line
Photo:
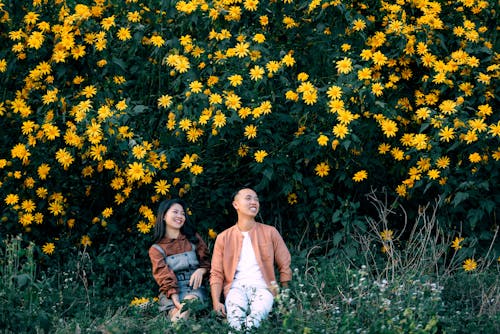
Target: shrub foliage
[107,107]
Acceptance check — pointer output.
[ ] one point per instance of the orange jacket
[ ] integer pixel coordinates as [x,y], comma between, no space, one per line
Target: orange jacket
[269,249]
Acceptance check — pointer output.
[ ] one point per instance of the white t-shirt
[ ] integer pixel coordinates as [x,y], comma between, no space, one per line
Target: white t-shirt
[248,271]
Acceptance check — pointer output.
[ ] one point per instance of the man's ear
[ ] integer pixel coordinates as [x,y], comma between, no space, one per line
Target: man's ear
[235,205]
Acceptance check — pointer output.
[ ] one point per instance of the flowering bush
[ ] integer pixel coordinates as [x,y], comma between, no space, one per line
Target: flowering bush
[108,107]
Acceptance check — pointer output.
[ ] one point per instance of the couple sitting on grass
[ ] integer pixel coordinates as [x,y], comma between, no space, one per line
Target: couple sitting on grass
[241,269]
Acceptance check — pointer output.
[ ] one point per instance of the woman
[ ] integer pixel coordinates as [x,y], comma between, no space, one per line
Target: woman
[180,259]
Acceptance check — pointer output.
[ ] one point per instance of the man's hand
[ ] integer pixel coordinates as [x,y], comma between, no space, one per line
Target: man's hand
[220,309]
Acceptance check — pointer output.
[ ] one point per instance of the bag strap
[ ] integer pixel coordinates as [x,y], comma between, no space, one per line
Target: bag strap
[160,250]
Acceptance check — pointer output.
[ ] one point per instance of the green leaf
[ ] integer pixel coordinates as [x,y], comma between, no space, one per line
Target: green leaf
[22,280]
[459,198]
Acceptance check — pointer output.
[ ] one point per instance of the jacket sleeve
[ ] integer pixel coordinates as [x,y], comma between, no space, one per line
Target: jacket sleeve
[163,275]
[217,269]
[282,257]
[203,253]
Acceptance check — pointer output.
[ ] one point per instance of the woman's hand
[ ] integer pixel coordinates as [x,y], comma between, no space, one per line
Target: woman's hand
[197,278]
[176,301]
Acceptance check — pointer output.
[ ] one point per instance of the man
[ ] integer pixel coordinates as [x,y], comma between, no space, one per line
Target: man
[243,265]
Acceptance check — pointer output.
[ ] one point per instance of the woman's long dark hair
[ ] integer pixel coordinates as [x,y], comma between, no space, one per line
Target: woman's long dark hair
[160,227]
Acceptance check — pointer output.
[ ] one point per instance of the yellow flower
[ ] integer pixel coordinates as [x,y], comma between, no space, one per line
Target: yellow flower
[322,140]
[259,38]
[264,20]
[469,265]
[291,95]
[135,171]
[273,66]
[48,248]
[35,41]
[157,41]
[56,208]
[3,65]
[212,234]
[288,60]
[340,130]
[443,162]
[89,91]
[387,235]
[196,169]
[360,176]
[106,213]
[419,141]
[242,49]
[244,112]
[260,155]
[379,58]
[322,169]
[310,97]
[121,105]
[143,227]
[235,80]
[474,157]
[11,199]
[377,89]
[219,119]
[334,92]
[384,148]
[85,241]
[243,150]
[233,101]
[358,25]
[446,134]
[365,74]
[456,243]
[123,34]
[495,129]
[20,151]
[139,302]
[345,47]
[344,66]
[64,157]
[433,174]
[256,73]
[28,205]
[289,22]
[292,198]
[302,76]
[389,127]
[162,187]
[401,190]
[447,107]
[196,86]
[250,131]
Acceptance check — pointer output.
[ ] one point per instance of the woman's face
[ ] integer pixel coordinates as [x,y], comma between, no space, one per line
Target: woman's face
[175,216]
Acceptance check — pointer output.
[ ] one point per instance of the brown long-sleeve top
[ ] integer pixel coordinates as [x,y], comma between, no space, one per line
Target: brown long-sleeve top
[269,248]
[163,275]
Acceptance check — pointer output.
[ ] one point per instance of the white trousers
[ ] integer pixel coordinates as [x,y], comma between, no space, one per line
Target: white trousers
[247,306]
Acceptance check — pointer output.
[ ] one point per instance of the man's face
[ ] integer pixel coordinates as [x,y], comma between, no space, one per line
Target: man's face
[247,202]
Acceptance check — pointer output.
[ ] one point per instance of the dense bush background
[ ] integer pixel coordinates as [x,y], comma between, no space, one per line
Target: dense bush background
[108,107]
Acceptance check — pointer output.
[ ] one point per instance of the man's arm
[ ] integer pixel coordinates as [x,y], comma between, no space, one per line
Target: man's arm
[216,290]
[283,258]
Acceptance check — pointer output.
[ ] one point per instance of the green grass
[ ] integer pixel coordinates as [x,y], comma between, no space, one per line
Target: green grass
[327,295]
